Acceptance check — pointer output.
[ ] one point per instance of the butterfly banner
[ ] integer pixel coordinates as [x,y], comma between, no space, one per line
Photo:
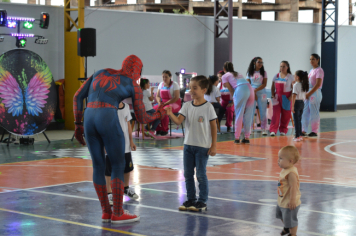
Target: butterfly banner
[28,96]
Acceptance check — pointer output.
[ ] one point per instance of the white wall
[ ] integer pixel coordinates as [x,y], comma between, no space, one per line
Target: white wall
[168,41]
[53,52]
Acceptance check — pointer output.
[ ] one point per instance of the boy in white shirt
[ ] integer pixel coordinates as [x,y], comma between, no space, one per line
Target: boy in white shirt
[124,115]
[199,141]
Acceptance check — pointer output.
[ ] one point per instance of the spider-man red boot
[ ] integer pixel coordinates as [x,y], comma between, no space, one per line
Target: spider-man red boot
[120,216]
[104,202]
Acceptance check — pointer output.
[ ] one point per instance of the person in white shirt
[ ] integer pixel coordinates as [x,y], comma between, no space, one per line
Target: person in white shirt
[214,96]
[199,141]
[147,101]
[300,88]
[124,115]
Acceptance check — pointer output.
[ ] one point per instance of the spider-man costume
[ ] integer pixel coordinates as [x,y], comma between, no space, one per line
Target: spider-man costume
[105,90]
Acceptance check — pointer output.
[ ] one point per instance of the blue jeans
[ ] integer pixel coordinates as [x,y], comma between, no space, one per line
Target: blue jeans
[155,123]
[196,157]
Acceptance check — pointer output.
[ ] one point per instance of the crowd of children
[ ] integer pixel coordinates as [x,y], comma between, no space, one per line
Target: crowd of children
[296,94]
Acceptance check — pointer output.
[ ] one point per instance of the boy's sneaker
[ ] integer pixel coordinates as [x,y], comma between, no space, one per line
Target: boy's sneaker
[124,218]
[199,206]
[110,199]
[245,141]
[283,134]
[106,217]
[312,134]
[187,205]
[301,138]
[130,193]
[150,133]
[264,132]
[273,134]
[237,141]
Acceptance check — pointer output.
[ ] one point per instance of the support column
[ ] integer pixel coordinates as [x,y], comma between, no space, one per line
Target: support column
[317,16]
[294,10]
[292,14]
[73,64]
[31,2]
[48,3]
[240,10]
[190,6]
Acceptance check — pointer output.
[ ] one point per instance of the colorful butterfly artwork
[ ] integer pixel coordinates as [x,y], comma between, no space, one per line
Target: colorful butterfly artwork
[33,97]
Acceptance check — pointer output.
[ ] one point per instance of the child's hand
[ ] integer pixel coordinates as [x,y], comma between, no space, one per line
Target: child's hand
[169,110]
[212,151]
[133,146]
[152,88]
[293,110]
[292,205]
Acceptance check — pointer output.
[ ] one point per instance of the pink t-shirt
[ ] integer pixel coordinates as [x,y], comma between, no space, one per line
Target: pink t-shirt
[234,81]
[314,74]
[256,79]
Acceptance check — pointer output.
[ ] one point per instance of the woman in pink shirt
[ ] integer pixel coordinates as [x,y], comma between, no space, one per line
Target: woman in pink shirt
[244,99]
[313,98]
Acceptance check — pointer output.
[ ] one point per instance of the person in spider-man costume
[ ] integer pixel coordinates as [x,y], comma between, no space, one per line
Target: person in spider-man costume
[105,89]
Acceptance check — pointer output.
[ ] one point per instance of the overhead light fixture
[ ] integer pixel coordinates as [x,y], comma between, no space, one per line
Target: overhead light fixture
[15,18]
[11,24]
[182,71]
[22,35]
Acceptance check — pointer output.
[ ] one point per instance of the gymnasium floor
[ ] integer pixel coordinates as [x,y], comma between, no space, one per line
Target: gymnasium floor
[46,189]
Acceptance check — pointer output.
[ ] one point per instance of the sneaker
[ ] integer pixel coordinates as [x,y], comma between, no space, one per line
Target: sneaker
[199,206]
[164,133]
[296,140]
[110,199]
[228,129]
[264,132]
[158,133]
[304,134]
[312,134]
[150,133]
[187,205]
[245,141]
[106,217]
[130,193]
[283,134]
[124,218]
[301,138]
[237,141]
[273,134]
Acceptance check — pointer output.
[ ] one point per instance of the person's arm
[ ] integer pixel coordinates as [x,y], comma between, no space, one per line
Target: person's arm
[218,99]
[273,90]
[262,86]
[78,98]
[174,99]
[151,97]
[158,98]
[132,144]
[293,101]
[178,120]
[293,183]
[230,88]
[212,149]
[139,107]
[316,87]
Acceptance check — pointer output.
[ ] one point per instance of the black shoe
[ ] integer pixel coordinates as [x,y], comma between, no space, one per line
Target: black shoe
[258,125]
[304,134]
[245,141]
[312,134]
[237,141]
[285,231]
[228,129]
[158,133]
[163,133]
[187,205]
[199,206]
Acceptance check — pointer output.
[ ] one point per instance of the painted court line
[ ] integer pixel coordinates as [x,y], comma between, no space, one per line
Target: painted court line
[47,186]
[255,203]
[327,148]
[157,208]
[70,222]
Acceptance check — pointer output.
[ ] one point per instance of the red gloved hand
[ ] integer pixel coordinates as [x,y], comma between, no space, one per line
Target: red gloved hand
[78,134]
[162,111]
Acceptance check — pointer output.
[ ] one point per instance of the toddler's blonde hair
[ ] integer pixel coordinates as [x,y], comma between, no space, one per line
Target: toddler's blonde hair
[294,153]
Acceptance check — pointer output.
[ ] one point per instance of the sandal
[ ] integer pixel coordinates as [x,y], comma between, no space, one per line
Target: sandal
[285,231]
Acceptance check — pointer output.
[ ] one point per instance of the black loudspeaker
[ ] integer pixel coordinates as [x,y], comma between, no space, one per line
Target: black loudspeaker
[86,42]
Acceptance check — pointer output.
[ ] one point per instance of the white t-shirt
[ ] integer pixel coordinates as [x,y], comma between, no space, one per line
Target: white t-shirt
[297,89]
[215,93]
[197,123]
[124,115]
[146,100]
[286,81]
[174,87]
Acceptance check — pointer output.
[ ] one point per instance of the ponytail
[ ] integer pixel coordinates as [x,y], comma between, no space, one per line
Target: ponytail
[229,67]
[303,77]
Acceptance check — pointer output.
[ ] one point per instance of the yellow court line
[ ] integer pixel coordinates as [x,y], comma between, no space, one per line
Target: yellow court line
[71,222]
